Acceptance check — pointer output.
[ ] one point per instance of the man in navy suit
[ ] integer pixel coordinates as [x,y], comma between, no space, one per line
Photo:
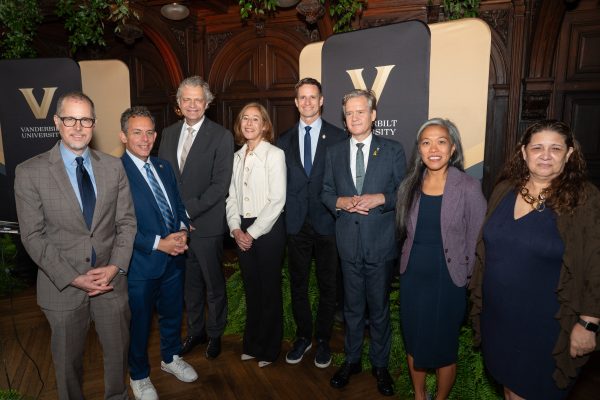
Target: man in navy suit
[157,265]
[362,175]
[310,225]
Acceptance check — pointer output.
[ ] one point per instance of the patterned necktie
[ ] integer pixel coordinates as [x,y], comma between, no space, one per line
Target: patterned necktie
[307,151]
[187,145]
[165,210]
[86,191]
[360,168]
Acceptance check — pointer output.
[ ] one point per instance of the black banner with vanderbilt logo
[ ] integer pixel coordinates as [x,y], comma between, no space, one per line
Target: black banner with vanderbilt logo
[393,61]
[30,89]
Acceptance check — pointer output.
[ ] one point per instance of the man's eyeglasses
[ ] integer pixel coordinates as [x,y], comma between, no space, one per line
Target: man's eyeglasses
[84,122]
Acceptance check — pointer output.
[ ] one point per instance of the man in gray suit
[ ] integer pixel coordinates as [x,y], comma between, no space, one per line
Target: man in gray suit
[362,175]
[77,223]
[201,153]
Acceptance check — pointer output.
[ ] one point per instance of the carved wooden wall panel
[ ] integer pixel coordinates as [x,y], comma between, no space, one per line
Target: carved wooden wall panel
[577,84]
[262,68]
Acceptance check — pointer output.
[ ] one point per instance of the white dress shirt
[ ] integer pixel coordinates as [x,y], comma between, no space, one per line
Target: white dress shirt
[183,135]
[314,137]
[365,150]
[257,188]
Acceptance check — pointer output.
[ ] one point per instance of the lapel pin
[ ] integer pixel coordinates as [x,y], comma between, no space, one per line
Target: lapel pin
[324,136]
[376,152]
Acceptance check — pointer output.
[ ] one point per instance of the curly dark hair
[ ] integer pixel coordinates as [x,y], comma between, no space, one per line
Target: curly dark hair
[566,190]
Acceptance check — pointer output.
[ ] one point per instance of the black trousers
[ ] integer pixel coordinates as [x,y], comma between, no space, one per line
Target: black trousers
[301,248]
[261,267]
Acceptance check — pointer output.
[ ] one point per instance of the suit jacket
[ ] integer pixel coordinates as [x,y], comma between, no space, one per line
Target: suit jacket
[463,210]
[147,263]
[204,182]
[304,192]
[54,231]
[376,231]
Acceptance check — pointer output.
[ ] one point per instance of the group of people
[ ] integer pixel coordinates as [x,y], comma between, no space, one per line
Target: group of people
[148,235]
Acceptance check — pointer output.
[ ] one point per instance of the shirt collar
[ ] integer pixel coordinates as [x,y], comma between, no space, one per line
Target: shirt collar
[69,157]
[367,141]
[259,151]
[138,162]
[196,126]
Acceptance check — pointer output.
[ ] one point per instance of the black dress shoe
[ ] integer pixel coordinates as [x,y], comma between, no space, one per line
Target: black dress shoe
[190,342]
[214,347]
[385,385]
[342,376]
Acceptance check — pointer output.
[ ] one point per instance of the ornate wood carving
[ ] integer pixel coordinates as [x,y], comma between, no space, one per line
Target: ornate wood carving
[216,41]
[498,19]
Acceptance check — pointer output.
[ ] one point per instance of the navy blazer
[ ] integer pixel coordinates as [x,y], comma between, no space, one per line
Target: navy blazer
[145,262]
[461,218]
[377,230]
[303,197]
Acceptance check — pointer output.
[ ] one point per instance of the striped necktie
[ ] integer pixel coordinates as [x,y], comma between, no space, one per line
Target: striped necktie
[165,210]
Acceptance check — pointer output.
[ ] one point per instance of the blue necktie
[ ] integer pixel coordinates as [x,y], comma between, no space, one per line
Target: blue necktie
[360,167]
[160,199]
[88,196]
[307,151]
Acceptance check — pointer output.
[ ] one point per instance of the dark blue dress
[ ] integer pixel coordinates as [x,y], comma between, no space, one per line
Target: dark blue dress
[523,259]
[432,307]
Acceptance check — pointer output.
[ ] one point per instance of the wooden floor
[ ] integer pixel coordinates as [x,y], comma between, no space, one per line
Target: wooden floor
[224,378]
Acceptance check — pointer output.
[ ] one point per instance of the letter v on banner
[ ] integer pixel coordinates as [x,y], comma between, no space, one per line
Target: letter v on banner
[383,72]
[40,111]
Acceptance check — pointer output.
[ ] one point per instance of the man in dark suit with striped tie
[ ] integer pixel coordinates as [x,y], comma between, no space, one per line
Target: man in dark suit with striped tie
[156,271]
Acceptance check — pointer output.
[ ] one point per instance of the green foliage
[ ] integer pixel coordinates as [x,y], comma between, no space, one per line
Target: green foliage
[8,254]
[344,11]
[257,8]
[456,9]
[19,20]
[84,19]
[11,395]
[471,380]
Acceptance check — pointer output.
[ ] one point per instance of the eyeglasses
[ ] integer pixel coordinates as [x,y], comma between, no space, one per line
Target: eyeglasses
[84,122]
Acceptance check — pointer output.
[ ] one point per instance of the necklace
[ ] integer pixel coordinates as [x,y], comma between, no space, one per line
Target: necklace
[537,203]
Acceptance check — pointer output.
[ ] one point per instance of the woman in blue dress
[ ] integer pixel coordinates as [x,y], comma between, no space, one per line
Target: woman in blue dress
[536,284]
[440,211]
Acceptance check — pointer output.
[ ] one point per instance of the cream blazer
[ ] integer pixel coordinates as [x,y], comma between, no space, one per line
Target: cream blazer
[257,189]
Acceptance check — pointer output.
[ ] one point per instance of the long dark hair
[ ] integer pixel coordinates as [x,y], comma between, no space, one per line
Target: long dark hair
[566,190]
[411,185]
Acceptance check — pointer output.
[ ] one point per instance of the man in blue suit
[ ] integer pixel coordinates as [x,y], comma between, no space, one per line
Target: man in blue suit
[156,270]
[310,225]
[362,175]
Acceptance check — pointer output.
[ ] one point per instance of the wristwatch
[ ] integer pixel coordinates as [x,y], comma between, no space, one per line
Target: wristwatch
[590,326]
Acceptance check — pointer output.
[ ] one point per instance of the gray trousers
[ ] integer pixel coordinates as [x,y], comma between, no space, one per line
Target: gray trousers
[111,317]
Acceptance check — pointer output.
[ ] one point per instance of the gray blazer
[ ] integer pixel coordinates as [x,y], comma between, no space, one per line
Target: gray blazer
[463,211]
[376,231]
[204,182]
[54,232]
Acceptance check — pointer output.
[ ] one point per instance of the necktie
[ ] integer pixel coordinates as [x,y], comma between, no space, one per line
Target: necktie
[160,199]
[187,145]
[360,167]
[88,197]
[307,151]
[86,191]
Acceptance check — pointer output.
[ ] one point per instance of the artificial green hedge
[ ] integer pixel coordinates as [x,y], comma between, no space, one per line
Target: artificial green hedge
[471,379]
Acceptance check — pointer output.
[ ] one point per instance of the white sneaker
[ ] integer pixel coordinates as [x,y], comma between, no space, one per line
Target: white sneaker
[143,389]
[182,370]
